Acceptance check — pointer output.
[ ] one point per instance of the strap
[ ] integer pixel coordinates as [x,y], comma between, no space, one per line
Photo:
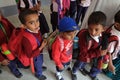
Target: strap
[114,38]
[3,29]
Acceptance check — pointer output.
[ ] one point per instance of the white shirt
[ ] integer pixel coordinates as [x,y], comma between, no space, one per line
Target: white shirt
[85,3]
[55,6]
[112,44]
[22,4]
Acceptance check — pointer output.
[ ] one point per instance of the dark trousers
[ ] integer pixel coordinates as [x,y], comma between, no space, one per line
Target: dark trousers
[38,61]
[80,13]
[73,8]
[65,66]
[78,65]
[14,65]
[81,65]
[54,20]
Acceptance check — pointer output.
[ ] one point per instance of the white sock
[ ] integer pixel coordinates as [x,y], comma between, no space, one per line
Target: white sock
[59,75]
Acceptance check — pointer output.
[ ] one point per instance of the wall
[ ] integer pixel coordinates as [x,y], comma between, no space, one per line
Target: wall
[8,7]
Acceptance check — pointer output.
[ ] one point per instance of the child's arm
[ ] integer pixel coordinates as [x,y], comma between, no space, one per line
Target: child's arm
[56,54]
[27,48]
[43,44]
[111,67]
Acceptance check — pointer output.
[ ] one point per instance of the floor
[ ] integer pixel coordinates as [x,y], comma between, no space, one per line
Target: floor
[50,73]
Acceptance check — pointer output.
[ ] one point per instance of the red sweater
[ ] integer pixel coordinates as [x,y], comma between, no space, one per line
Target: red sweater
[89,48]
[8,28]
[64,55]
[27,46]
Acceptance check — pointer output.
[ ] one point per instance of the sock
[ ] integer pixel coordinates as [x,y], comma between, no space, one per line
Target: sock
[58,74]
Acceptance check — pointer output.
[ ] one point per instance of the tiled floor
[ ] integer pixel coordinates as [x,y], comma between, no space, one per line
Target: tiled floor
[50,73]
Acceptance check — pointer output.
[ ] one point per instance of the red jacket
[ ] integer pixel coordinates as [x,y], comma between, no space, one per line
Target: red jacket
[61,51]
[89,48]
[8,28]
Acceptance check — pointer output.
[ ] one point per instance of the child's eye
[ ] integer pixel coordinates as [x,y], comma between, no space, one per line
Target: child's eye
[31,22]
[37,20]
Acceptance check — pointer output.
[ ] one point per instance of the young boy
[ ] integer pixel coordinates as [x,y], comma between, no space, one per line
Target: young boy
[6,29]
[114,49]
[30,20]
[89,42]
[62,46]
[30,47]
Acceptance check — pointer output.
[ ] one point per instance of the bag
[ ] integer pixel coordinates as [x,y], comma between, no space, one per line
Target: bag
[51,39]
[15,46]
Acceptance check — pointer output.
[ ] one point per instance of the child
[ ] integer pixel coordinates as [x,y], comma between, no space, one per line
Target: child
[82,6]
[54,14]
[30,20]
[89,42]
[36,5]
[6,29]
[114,50]
[62,46]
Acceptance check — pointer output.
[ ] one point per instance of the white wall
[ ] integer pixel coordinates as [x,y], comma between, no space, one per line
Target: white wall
[4,3]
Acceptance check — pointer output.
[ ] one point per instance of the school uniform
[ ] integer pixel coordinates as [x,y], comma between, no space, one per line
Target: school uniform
[4,36]
[82,7]
[115,52]
[54,15]
[62,53]
[89,50]
[35,54]
[73,8]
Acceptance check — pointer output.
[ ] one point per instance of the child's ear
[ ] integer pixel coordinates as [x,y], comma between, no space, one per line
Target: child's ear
[105,28]
[116,24]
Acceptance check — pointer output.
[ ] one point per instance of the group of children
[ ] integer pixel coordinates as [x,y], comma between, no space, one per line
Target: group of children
[95,43]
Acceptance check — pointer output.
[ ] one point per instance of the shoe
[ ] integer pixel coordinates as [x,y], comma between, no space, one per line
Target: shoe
[44,68]
[94,78]
[17,73]
[74,77]
[59,77]
[0,71]
[69,69]
[42,77]
[84,71]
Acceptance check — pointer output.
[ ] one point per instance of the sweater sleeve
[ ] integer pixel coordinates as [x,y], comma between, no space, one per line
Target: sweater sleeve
[27,48]
[87,50]
[1,57]
[56,53]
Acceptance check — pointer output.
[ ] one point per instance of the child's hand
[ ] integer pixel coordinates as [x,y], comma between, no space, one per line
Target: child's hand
[111,68]
[5,62]
[61,68]
[43,44]
[103,52]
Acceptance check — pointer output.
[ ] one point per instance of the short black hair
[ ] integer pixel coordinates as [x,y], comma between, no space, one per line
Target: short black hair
[97,17]
[117,17]
[25,13]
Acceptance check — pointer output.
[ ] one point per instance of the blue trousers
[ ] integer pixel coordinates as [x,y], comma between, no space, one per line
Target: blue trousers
[38,61]
[81,65]
[14,65]
[64,64]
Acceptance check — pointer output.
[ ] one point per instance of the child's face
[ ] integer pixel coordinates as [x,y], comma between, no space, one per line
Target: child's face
[32,22]
[69,35]
[117,26]
[95,30]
